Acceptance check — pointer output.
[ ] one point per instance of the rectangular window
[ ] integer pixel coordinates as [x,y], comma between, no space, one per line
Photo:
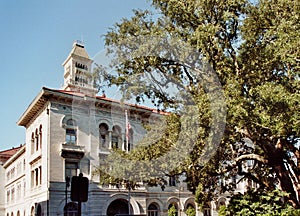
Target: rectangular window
[172,181]
[12,194]
[8,195]
[36,174]
[70,136]
[40,173]
[32,178]
[103,140]
[71,169]
[19,191]
[36,142]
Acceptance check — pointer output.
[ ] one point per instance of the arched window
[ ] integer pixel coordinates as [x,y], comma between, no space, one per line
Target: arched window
[36,140]
[103,135]
[39,210]
[32,211]
[71,132]
[40,136]
[32,143]
[116,136]
[71,209]
[153,209]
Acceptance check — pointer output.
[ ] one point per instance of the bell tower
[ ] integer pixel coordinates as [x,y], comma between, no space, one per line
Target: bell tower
[77,71]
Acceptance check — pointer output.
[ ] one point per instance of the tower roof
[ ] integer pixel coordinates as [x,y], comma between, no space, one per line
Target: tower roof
[78,50]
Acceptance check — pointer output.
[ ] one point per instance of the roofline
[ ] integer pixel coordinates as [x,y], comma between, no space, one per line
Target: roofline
[15,156]
[31,105]
[72,54]
[42,95]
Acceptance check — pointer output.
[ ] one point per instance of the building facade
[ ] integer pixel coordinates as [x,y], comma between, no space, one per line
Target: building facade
[69,131]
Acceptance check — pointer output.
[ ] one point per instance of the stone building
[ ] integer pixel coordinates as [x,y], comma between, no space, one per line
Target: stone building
[69,131]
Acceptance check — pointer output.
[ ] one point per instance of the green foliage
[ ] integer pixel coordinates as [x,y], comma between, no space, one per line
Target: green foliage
[254,203]
[172,211]
[222,210]
[190,211]
[253,47]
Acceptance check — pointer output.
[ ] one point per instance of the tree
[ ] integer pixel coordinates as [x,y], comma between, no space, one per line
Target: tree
[252,47]
[258,203]
[172,211]
[190,211]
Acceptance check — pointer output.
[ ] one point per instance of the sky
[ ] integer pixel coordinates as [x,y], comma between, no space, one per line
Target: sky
[36,37]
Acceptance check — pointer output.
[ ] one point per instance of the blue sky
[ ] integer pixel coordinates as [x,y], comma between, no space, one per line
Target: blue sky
[36,37]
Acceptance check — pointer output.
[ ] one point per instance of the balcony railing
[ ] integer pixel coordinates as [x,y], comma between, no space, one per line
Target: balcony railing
[72,151]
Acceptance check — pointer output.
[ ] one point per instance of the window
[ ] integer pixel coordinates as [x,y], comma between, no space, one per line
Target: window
[116,137]
[8,195]
[39,210]
[71,132]
[32,211]
[36,177]
[71,169]
[206,211]
[32,143]
[36,140]
[19,191]
[103,135]
[172,181]
[152,209]
[24,188]
[13,194]
[40,136]
[36,174]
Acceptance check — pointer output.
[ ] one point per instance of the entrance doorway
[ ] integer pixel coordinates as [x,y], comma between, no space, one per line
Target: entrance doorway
[118,207]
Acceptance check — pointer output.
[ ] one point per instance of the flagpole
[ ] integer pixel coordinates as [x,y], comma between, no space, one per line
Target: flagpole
[127,132]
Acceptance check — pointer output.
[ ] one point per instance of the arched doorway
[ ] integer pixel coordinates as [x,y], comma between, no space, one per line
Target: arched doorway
[119,206]
[71,209]
[39,210]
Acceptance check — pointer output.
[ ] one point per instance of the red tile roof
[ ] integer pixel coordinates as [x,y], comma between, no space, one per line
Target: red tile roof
[104,98]
[6,154]
[46,93]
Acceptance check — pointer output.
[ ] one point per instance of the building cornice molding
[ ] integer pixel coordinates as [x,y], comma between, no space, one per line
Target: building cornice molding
[46,94]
